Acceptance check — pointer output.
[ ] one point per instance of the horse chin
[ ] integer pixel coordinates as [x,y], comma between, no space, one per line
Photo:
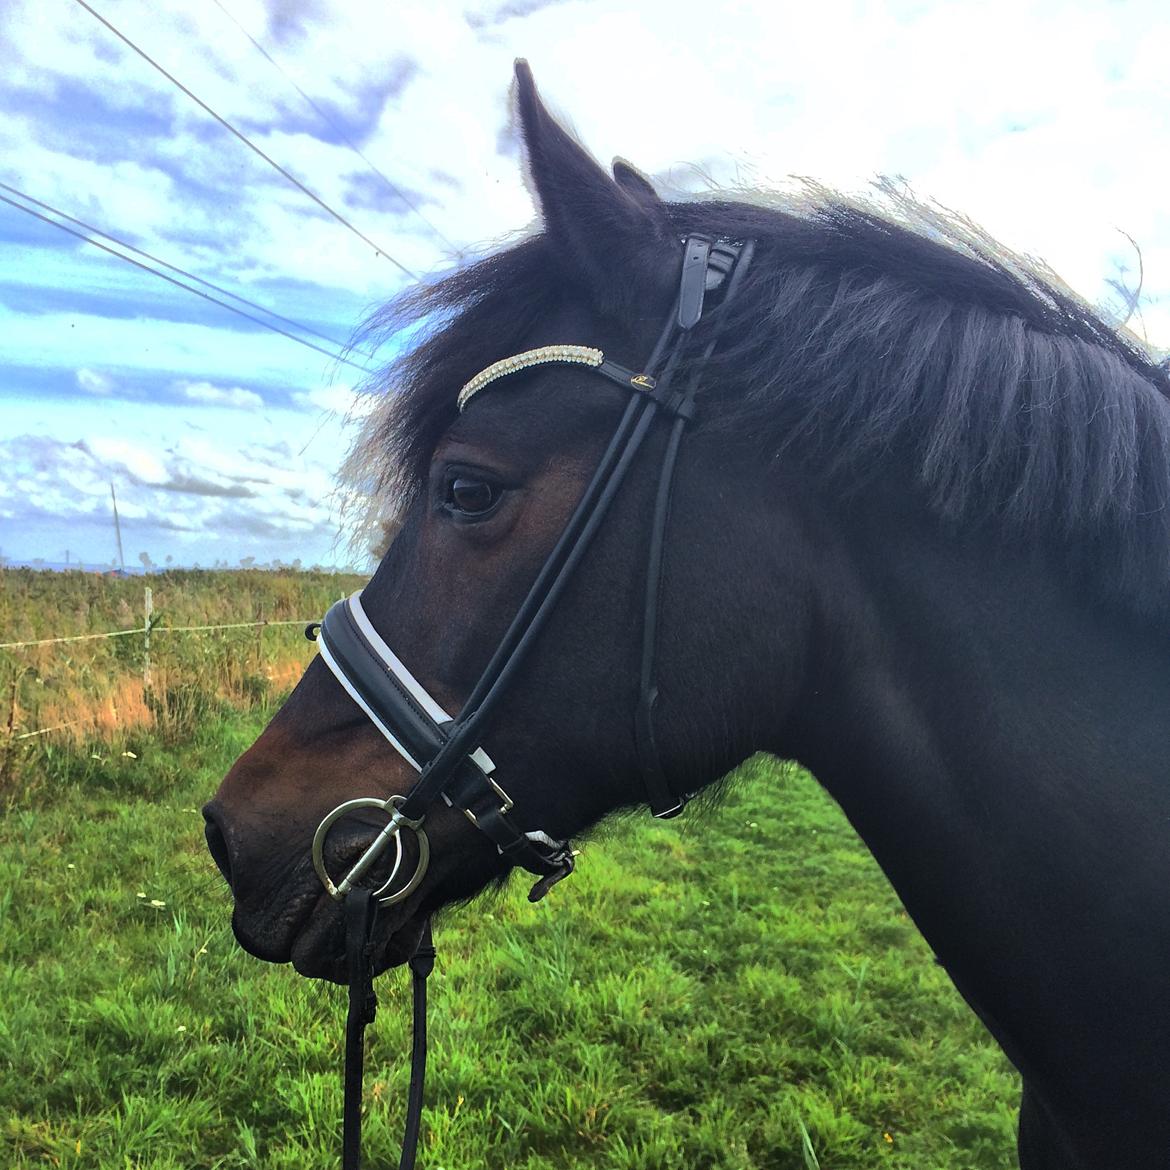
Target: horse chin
[271,937]
[308,928]
[318,950]
[309,931]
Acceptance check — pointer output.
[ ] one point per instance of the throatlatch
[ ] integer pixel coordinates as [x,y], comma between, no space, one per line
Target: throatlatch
[446,751]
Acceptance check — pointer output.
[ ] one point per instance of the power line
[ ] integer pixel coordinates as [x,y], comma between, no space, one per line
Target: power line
[379,251]
[182,271]
[324,116]
[179,283]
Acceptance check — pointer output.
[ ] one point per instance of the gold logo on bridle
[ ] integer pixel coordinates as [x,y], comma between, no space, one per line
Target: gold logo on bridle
[643,382]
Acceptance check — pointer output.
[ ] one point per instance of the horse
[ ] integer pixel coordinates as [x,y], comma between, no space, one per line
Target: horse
[915,536]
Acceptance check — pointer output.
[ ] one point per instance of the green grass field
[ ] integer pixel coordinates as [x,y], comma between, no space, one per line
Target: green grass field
[741,989]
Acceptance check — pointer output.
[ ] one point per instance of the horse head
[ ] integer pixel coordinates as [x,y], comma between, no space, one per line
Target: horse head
[489,480]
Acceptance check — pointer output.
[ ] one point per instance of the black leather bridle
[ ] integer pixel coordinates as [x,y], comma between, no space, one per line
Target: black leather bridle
[452,766]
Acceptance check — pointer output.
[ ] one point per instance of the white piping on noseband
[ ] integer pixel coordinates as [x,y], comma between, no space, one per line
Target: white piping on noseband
[394,666]
[584,355]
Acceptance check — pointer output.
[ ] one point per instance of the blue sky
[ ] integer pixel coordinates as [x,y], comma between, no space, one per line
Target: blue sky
[1049,123]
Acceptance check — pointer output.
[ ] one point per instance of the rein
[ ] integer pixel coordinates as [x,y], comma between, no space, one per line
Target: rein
[361,912]
[445,751]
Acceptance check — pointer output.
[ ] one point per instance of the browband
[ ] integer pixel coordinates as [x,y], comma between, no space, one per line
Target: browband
[582,355]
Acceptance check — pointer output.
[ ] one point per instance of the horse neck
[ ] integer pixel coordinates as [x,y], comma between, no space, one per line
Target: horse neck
[1000,743]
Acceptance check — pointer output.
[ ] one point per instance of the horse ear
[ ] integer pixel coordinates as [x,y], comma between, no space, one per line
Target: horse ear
[606,230]
[633,182]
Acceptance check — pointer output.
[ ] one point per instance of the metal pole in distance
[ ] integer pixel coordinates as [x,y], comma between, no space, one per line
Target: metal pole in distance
[117,528]
[147,620]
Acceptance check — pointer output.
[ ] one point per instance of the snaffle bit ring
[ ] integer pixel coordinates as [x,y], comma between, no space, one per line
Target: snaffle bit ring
[392,832]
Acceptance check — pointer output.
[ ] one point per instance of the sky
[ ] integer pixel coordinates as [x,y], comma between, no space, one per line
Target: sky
[1047,122]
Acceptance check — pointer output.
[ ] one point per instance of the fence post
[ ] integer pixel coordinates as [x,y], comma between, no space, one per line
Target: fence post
[148,618]
[261,623]
[6,766]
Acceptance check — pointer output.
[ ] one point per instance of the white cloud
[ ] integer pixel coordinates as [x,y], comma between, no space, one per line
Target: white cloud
[907,92]
[1054,153]
[338,399]
[234,396]
[1042,121]
[94,382]
[115,453]
[203,489]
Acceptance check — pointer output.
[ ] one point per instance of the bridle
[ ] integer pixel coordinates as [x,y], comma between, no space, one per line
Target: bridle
[445,750]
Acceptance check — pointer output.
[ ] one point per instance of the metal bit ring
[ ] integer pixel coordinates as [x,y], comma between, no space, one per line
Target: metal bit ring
[392,832]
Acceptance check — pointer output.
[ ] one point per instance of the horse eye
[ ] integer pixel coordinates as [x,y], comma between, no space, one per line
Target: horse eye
[472,497]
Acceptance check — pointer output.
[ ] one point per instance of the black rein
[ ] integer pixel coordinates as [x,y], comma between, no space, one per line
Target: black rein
[361,913]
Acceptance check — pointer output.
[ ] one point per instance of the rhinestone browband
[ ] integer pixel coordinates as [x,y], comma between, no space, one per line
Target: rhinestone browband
[583,355]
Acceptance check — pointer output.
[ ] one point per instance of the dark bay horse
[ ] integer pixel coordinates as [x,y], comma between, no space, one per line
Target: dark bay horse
[918,540]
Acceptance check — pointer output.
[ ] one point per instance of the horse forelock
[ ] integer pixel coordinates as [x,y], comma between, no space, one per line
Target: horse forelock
[866,333]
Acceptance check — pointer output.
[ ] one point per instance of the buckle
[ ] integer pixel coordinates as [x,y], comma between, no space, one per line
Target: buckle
[506,803]
[720,262]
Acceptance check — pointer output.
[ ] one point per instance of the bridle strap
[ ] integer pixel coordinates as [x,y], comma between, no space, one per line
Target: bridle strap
[698,270]
[466,729]
[447,750]
[422,963]
[361,912]
[551,580]
[663,800]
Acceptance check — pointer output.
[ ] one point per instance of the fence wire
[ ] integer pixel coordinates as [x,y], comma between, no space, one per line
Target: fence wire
[143,631]
[151,629]
[71,638]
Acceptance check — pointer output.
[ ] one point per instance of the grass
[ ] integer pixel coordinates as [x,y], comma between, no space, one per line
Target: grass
[741,990]
[90,695]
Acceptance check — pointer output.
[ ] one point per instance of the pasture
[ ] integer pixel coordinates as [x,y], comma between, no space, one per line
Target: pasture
[79,688]
[739,989]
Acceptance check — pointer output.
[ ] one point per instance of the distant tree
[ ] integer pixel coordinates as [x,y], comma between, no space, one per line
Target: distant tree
[147,563]
[247,562]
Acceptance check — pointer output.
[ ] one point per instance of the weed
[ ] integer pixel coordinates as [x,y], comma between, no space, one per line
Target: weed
[93,693]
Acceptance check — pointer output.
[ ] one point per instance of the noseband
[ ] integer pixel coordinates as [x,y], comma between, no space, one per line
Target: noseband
[445,751]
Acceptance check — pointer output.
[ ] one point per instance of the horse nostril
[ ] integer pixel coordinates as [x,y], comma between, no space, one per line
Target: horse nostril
[217,844]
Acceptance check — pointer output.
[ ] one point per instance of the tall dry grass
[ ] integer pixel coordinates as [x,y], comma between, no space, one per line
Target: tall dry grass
[95,693]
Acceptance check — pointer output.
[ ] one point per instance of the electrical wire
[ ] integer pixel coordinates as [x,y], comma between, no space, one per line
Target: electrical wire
[179,283]
[378,250]
[181,271]
[324,116]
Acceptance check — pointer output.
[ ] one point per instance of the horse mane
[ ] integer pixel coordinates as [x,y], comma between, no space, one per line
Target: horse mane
[868,337]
